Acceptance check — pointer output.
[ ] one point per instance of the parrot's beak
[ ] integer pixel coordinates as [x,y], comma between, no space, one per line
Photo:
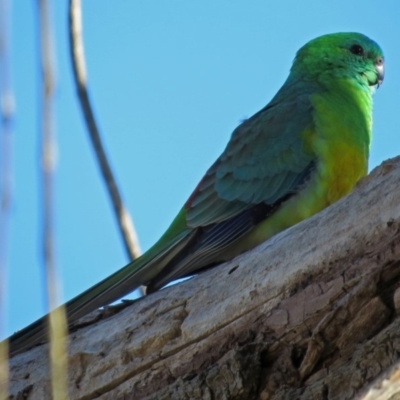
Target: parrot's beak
[380,69]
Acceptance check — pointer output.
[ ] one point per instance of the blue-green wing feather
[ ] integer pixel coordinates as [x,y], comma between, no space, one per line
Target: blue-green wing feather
[264,163]
[261,164]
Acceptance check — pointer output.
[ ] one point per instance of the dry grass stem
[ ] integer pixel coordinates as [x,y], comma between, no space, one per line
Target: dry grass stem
[78,64]
[7,113]
[57,318]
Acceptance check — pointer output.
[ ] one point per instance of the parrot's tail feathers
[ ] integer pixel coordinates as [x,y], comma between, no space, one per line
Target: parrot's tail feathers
[119,284]
[124,281]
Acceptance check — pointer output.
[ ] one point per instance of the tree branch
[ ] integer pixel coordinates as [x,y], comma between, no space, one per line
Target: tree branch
[311,313]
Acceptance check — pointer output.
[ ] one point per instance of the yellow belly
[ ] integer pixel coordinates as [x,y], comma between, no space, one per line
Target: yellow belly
[339,168]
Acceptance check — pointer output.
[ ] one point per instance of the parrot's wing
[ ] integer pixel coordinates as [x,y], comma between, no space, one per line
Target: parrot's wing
[262,163]
[265,162]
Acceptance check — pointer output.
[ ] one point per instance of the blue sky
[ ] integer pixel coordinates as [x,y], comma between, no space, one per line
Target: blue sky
[169,81]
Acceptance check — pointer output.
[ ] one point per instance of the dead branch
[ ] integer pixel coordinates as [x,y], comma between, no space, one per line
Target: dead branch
[312,313]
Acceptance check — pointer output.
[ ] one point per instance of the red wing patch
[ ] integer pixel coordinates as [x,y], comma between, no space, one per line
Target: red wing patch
[189,201]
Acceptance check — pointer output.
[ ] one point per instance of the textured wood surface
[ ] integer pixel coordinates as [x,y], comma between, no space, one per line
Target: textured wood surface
[310,314]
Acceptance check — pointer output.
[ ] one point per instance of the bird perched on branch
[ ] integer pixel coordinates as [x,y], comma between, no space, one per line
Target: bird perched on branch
[303,151]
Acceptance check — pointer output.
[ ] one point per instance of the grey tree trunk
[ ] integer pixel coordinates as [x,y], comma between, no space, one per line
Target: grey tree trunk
[310,314]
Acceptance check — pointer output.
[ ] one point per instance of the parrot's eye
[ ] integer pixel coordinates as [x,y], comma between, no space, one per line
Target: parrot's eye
[357,50]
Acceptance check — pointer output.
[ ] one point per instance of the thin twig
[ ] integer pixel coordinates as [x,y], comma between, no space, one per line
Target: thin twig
[7,113]
[78,64]
[57,318]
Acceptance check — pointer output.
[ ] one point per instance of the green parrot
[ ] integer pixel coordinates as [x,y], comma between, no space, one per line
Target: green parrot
[303,151]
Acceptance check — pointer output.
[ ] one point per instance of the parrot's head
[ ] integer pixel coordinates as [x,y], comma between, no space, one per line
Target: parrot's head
[341,56]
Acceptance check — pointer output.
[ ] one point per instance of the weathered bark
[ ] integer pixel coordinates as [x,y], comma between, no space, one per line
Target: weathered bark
[310,314]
